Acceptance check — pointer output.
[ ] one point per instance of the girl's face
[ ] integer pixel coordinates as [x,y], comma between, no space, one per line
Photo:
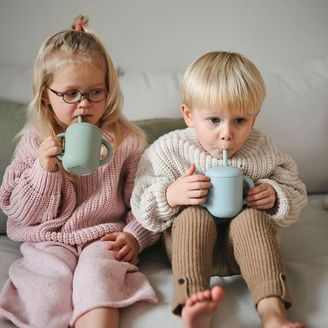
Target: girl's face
[219,129]
[74,78]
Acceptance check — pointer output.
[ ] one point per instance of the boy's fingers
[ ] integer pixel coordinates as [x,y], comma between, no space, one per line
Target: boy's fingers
[190,170]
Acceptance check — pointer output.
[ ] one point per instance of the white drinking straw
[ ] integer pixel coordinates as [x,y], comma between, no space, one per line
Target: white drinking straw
[225,157]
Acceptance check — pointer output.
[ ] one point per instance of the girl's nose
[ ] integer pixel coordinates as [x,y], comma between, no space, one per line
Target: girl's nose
[84,96]
[84,101]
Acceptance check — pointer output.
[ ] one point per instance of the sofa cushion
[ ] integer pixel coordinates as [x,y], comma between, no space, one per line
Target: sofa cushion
[157,127]
[11,120]
[150,95]
[16,84]
[295,115]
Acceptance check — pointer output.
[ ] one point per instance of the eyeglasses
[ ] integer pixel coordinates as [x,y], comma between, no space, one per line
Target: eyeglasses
[75,96]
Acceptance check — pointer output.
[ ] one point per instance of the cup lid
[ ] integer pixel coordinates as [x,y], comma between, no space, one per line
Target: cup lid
[223,172]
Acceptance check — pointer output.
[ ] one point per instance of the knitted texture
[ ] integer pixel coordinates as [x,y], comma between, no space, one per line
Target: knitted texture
[50,206]
[256,250]
[190,246]
[170,156]
[53,284]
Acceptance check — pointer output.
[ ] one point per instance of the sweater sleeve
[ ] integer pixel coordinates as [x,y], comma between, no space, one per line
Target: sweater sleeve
[155,173]
[29,194]
[291,194]
[144,237]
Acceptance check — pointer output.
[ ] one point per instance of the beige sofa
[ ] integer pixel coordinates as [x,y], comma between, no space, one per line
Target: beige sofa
[295,115]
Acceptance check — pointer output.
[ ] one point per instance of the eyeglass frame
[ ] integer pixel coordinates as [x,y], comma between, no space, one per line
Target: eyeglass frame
[85,94]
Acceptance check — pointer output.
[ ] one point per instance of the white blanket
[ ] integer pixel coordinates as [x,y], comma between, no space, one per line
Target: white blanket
[305,246]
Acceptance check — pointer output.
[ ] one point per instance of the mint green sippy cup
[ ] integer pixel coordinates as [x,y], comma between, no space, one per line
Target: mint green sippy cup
[225,198]
[82,145]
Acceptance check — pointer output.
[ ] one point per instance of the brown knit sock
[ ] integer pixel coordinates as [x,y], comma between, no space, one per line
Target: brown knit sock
[193,239]
[254,240]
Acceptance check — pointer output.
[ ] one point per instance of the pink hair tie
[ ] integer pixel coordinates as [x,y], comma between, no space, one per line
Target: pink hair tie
[78,27]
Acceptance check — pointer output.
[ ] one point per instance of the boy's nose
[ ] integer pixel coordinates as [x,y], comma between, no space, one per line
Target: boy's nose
[226,132]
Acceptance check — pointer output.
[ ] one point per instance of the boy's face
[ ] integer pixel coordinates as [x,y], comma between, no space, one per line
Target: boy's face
[219,129]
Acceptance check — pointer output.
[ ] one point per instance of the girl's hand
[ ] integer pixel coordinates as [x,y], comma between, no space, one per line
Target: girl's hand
[262,197]
[126,245]
[48,150]
[188,189]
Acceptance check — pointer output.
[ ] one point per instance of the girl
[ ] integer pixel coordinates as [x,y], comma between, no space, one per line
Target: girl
[80,240]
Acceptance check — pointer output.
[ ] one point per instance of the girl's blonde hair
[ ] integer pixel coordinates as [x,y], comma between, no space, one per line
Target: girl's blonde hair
[223,78]
[80,46]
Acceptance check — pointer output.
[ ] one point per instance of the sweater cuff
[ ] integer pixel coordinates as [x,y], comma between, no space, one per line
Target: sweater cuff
[150,207]
[281,208]
[163,212]
[144,237]
[44,182]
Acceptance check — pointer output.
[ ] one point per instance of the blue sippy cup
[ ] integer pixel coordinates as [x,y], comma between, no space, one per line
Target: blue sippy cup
[225,198]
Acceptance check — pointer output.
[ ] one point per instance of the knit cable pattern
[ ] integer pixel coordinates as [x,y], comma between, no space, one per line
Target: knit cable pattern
[48,206]
[171,155]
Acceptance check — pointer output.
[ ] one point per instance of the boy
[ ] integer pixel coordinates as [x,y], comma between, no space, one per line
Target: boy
[222,93]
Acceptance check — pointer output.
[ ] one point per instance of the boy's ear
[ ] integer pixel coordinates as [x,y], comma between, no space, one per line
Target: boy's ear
[186,112]
[254,119]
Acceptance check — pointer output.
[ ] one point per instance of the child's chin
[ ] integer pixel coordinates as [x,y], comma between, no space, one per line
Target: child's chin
[230,154]
[217,155]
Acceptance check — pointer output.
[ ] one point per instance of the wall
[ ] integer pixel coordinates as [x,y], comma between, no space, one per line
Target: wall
[167,35]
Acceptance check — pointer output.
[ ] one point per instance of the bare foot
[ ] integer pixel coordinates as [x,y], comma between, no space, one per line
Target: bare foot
[200,308]
[273,314]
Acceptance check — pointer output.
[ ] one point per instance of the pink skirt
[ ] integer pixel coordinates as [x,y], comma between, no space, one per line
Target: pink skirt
[53,284]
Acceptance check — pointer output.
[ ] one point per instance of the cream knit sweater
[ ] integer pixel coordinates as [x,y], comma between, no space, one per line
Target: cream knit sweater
[45,206]
[171,155]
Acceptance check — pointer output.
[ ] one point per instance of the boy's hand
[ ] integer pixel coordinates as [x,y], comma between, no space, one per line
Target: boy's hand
[188,189]
[126,245]
[48,150]
[262,197]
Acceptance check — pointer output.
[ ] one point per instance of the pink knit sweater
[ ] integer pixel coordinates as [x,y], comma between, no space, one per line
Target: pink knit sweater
[48,206]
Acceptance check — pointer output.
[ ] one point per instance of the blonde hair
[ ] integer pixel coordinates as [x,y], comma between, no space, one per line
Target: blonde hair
[223,78]
[80,46]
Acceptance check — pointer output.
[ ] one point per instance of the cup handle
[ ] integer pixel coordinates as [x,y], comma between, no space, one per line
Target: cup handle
[109,152]
[62,136]
[250,184]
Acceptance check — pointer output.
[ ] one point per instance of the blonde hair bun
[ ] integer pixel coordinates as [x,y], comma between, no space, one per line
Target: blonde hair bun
[80,23]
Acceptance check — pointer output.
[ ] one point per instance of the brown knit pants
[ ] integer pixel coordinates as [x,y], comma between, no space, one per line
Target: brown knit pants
[199,248]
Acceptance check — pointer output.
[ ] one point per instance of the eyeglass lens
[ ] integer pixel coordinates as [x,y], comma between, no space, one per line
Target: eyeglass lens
[92,95]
